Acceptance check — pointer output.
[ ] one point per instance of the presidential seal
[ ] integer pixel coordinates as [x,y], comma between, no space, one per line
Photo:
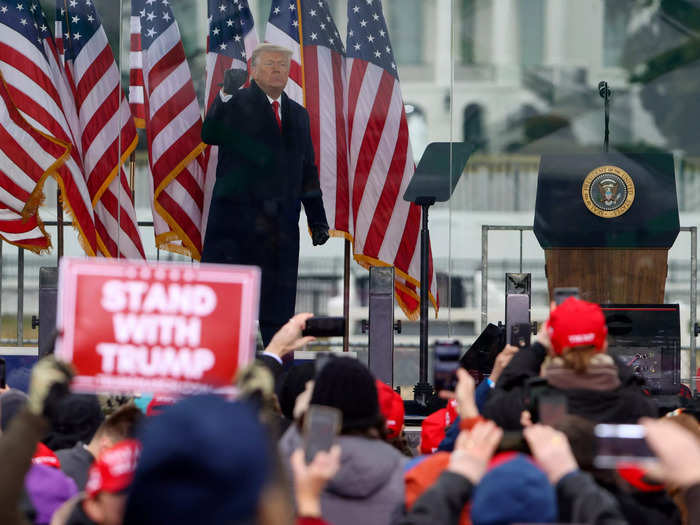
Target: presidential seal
[608,191]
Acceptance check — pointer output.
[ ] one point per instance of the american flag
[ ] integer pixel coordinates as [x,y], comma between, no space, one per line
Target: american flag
[230,44]
[323,79]
[26,159]
[107,131]
[36,84]
[162,92]
[386,228]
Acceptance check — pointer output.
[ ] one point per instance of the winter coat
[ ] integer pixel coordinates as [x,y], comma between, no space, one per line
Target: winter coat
[692,503]
[369,487]
[263,176]
[625,404]
[75,462]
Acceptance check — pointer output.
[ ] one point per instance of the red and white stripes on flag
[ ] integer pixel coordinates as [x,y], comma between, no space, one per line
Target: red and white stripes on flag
[230,44]
[26,158]
[106,130]
[162,91]
[322,76]
[35,82]
[386,228]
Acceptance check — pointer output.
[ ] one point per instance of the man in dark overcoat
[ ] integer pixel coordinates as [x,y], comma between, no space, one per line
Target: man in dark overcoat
[266,170]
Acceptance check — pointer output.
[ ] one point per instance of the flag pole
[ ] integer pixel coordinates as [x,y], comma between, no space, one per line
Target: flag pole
[59,223]
[346,297]
[132,175]
[301,52]
[59,205]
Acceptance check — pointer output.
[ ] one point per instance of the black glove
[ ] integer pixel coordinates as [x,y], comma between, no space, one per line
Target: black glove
[319,235]
[234,79]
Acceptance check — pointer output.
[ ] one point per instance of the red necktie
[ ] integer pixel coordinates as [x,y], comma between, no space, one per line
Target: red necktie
[275,108]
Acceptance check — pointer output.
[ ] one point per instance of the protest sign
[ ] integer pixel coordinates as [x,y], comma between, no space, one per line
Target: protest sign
[167,328]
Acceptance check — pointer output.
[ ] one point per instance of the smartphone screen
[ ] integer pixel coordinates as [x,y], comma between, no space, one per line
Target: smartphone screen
[445,365]
[2,373]
[520,335]
[517,312]
[561,294]
[321,426]
[621,444]
[551,409]
[325,326]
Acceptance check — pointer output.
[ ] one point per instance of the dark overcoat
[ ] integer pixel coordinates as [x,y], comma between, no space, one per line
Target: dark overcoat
[263,177]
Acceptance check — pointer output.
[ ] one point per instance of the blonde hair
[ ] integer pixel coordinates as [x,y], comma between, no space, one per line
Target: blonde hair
[266,47]
[579,357]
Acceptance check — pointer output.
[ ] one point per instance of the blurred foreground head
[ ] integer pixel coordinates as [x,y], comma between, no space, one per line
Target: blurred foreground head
[204,460]
[75,418]
[514,490]
[348,385]
[108,480]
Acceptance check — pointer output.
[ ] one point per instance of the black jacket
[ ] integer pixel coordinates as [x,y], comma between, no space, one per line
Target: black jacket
[692,503]
[75,463]
[263,176]
[625,404]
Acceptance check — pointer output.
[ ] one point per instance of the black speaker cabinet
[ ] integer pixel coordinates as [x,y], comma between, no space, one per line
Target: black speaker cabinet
[48,299]
[647,337]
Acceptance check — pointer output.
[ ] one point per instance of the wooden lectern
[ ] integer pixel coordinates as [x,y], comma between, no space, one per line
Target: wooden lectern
[606,222]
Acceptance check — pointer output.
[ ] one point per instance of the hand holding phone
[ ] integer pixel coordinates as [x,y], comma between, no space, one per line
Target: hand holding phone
[445,364]
[551,450]
[324,327]
[621,444]
[321,426]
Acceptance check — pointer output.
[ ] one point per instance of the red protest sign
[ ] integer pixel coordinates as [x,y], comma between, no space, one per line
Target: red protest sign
[167,328]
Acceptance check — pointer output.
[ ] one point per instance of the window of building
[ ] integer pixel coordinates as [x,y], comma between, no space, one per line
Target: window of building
[467,30]
[531,26]
[615,22]
[473,125]
[405,19]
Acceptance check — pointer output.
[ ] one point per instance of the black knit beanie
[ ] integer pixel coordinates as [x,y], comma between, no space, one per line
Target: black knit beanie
[76,419]
[11,402]
[348,385]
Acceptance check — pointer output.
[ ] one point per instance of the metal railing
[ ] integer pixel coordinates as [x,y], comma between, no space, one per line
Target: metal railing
[693,230]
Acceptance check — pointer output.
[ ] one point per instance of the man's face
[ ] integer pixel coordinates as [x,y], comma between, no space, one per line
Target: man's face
[271,71]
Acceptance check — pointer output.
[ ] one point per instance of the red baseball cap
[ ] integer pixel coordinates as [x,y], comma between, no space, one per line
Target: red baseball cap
[433,430]
[577,323]
[451,411]
[114,469]
[45,456]
[159,403]
[636,476]
[391,407]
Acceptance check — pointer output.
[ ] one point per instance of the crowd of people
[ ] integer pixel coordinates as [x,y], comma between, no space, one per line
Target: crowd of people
[489,457]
